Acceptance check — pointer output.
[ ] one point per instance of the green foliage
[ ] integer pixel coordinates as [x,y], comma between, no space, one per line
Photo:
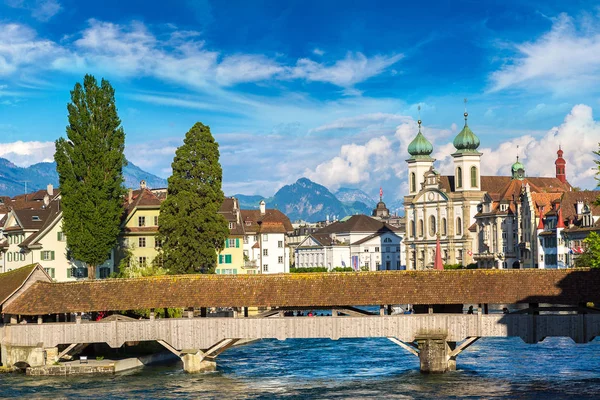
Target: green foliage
[364,269]
[308,269]
[191,229]
[343,269]
[591,256]
[90,168]
[130,268]
[453,266]
[99,358]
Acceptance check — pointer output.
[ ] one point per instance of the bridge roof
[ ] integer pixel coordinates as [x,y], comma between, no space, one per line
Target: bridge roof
[312,290]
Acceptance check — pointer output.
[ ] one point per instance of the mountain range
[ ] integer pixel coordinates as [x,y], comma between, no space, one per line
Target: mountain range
[303,200]
[308,201]
[14,179]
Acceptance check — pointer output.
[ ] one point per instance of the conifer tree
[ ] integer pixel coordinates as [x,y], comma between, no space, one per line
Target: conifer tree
[90,169]
[191,230]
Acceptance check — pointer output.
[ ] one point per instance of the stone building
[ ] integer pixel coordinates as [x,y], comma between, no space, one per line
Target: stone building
[479,219]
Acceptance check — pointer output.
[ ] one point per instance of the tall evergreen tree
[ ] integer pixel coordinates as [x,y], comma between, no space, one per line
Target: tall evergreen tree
[90,169]
[191,229]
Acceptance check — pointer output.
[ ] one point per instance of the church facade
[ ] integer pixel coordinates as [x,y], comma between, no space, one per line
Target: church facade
[479,219]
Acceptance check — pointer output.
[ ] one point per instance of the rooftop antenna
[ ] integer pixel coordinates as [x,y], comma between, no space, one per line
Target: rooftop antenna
[25,182]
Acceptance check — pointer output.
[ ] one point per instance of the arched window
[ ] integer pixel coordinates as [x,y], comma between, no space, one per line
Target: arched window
[459,177]
[413,182]
[432,226]
[420,227]
[459,226]
[412,229]
[474,177]
[444,227]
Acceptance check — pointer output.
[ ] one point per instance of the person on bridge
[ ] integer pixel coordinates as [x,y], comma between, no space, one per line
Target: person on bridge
[470,311]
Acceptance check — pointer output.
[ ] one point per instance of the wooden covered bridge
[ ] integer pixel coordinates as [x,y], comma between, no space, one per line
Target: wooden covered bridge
[555,305]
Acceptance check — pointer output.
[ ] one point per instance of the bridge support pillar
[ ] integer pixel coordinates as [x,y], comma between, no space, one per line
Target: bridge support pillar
[434,353]
[195,363]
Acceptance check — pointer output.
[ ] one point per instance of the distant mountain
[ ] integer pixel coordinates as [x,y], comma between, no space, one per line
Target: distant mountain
[308,201]
[38,176]
[248,202]
[348,195]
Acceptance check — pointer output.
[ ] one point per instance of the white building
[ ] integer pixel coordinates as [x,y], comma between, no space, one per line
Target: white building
[265,239]
[359,242]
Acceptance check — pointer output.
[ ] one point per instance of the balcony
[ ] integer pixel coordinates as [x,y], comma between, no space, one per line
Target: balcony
[250,264]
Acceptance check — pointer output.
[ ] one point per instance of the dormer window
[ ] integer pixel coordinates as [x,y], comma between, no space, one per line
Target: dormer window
[35,218]
[231,225]
[503,207]
[248,223]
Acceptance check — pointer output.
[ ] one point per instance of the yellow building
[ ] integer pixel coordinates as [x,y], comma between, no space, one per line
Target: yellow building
[140,226]
[231,259]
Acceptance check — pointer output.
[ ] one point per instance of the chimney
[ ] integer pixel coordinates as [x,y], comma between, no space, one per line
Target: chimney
[262,207]
[46,200]
[579,208]
[142,184]
[50,190]
[130,196]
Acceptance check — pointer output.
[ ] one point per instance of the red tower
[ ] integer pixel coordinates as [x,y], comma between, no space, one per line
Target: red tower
[560,164]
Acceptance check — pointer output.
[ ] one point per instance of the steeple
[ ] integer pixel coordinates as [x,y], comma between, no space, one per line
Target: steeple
[561,164]
[420,147]
[518,169]
[466,141]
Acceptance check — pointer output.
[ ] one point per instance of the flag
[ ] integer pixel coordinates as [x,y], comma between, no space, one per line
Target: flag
[343,264]
[380,192]
[571,251]
[355,263]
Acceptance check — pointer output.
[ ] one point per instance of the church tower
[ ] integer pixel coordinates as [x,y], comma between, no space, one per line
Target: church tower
[467,160]
[560,164]
[420,162]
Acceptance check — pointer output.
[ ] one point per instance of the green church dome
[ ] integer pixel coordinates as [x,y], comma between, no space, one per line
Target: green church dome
[517,166]
[420,147]
[466,141]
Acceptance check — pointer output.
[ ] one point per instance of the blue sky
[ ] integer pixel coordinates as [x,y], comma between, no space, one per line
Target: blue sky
[327,90]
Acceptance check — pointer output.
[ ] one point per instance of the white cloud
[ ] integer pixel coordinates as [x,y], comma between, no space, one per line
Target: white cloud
[133,50]
[20,47]
[25,154]
[42,10]
[361,121]
[318,51]
[566,59]
[355,68]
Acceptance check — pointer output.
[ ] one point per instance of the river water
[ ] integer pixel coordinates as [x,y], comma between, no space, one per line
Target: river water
[347,369]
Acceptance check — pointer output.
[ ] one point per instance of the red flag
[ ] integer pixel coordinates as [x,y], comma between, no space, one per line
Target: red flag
[438,264]
[381,192]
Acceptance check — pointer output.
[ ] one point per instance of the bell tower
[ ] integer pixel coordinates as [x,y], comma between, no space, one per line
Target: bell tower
[561,164]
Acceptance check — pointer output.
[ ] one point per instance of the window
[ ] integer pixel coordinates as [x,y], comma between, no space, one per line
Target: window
[366,250]
[245,239]
[474,177]
[47,256]
[9,257]
[156,220]
[265,237]
[50,272]
[377,265]
[432,226]
[420,227]
[141,221]
[231,225]
[265,252]
[265,268]
[22,257]
[61,237]
[232,243]
[459,177]
[104,272]
[387,249]
[388,265]
[142,261]
[77,272]
[413,182]
[142,242]
[444,227]
[280,259]
[458,226]
[398,249]
[387,240]
[412,229]
[157,243]
[376,249]
[460,254]
[280,244]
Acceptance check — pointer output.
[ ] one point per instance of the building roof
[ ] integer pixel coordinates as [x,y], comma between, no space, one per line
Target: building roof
[358,223]
[571,286]
[569,200]
[271,217]
[373,236]
[11,281]
[230,210]
[420,147]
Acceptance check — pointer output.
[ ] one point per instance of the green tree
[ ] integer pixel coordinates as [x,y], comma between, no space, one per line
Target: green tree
[190,228]
[591,256]
[90,169]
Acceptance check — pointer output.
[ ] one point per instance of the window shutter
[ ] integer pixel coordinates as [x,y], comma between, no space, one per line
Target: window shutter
[220,259]
[52,255]
[58,236]
[237,243]
[69,272]
[228,259]
[226,243]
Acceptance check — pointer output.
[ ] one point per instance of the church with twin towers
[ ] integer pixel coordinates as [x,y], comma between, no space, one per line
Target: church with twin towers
[479,220]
